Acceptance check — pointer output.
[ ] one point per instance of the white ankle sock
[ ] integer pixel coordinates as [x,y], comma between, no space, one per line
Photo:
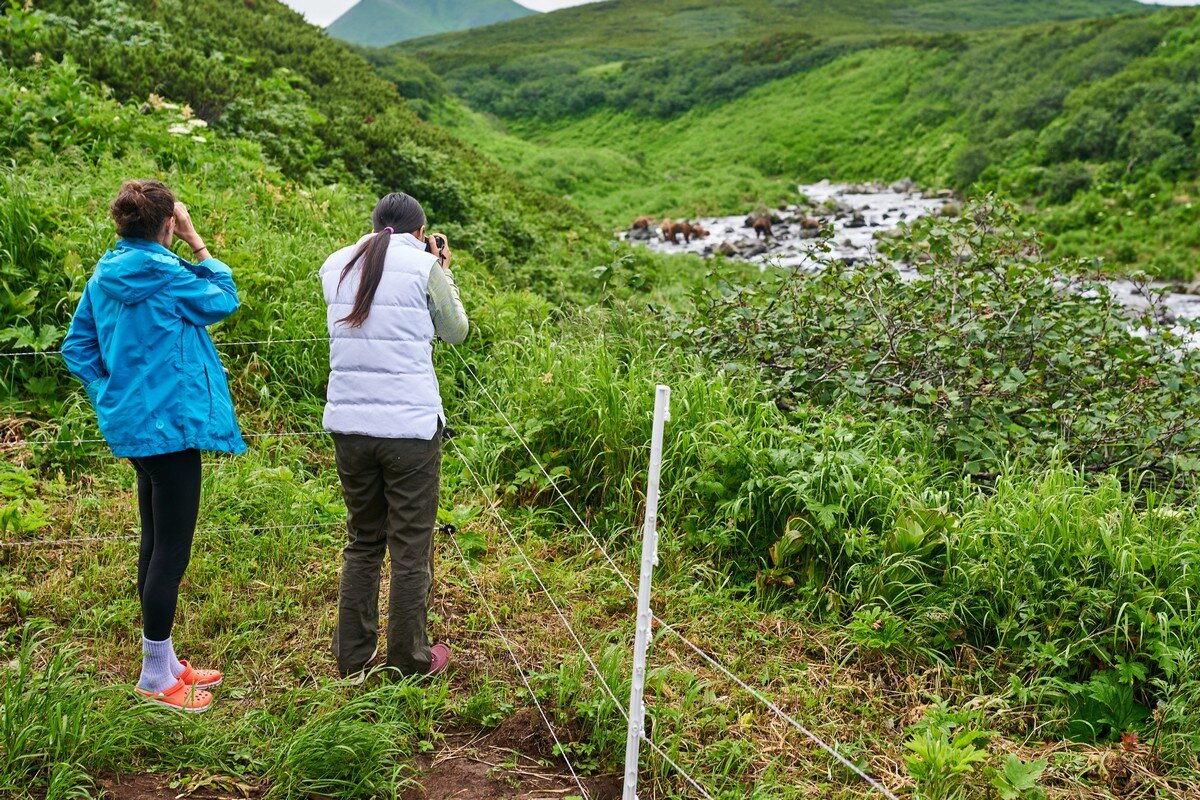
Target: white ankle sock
[158,660]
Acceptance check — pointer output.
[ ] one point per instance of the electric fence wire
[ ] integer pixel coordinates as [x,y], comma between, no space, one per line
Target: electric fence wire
[202,532]
[566,624]
[57,442]
[709,659]
[516,663]
[35,353]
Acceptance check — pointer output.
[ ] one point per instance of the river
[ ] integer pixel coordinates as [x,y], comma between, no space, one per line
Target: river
[859,213]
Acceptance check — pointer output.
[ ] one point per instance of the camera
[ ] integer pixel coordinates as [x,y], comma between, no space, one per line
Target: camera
[429,240]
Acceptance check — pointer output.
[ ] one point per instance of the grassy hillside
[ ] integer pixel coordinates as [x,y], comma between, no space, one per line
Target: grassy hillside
[1091,124]
[662,58]
[947,525]
[383,22]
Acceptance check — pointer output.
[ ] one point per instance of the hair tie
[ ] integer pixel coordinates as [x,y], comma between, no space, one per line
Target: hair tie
[389,229]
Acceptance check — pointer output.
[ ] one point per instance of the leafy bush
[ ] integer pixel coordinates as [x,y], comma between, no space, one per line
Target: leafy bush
[1006,355]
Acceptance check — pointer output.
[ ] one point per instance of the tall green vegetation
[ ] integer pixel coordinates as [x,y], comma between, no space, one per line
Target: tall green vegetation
[1006,355]
[320,113]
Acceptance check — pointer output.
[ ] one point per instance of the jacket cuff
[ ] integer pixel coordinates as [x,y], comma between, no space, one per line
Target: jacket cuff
[216,266]
[208,268]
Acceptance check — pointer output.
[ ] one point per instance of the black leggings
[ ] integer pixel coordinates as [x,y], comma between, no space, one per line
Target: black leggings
[169,501]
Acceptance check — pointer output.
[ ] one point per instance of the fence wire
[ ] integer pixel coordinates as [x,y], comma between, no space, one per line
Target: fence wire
[566,623]
[709,659]
[44,353]
[520,671]
[131,536]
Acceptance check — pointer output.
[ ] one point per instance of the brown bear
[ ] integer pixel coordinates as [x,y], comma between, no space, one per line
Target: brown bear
[762,227]
[671,231]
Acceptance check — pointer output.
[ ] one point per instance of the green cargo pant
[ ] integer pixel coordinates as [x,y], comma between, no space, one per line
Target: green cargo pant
[391,492]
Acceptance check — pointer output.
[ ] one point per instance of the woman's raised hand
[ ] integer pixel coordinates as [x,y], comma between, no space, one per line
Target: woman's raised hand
[443,252]
[185,230]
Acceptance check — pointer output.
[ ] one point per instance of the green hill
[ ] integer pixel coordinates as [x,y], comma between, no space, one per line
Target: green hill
[662,57]
[382,22]
[1089,123]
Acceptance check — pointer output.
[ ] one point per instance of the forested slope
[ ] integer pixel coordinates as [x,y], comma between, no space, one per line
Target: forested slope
[1091,123]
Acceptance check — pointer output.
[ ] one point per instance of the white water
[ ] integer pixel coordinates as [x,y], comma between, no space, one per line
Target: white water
[882,209]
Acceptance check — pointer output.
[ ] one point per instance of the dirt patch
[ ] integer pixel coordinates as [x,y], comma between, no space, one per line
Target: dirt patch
[525,732]
[148,786]
[516,760]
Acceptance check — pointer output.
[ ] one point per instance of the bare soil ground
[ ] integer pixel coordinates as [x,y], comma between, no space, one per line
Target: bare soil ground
[516,760]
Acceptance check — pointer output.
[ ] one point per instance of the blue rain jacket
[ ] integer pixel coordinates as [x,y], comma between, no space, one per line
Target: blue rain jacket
[139,345]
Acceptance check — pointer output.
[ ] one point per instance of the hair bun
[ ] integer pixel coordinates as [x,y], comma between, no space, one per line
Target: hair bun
[141,208]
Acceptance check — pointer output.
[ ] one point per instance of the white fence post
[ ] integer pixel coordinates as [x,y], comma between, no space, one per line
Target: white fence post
[637,709]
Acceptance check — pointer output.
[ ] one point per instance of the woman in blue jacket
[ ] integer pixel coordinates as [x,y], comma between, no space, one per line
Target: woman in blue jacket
[139,345]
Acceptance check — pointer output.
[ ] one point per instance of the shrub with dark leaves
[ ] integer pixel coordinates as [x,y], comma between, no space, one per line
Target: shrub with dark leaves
[1008,354]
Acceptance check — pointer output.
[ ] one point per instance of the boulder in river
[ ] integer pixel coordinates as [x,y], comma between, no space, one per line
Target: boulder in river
[904,186]
[727,249]
[857,221]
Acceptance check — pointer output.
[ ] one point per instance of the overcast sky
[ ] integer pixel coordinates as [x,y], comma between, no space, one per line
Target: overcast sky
[323,12]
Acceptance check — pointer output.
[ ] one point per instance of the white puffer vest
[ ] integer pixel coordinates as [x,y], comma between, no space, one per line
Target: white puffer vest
[381,378]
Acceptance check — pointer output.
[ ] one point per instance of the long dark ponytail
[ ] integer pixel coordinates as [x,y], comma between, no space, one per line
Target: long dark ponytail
[394,213]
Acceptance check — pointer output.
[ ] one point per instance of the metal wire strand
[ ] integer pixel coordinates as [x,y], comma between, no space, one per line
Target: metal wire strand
[35,353]
[772,706]
[513,655]
[566,624]
[57,442]
[127,537]
[554,484]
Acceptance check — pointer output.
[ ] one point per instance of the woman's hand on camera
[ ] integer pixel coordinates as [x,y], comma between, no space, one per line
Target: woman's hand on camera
[443,253]
[185,230]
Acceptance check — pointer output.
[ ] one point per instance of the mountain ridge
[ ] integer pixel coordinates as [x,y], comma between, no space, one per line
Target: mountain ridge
[376,23]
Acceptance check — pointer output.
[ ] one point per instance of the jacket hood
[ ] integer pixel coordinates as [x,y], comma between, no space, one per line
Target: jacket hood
[134,270]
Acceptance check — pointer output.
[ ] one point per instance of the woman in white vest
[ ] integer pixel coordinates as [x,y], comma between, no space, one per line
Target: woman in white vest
[388,295]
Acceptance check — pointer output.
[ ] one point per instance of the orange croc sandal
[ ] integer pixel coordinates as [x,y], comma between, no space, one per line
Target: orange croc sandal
[200,678]
[181,697]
